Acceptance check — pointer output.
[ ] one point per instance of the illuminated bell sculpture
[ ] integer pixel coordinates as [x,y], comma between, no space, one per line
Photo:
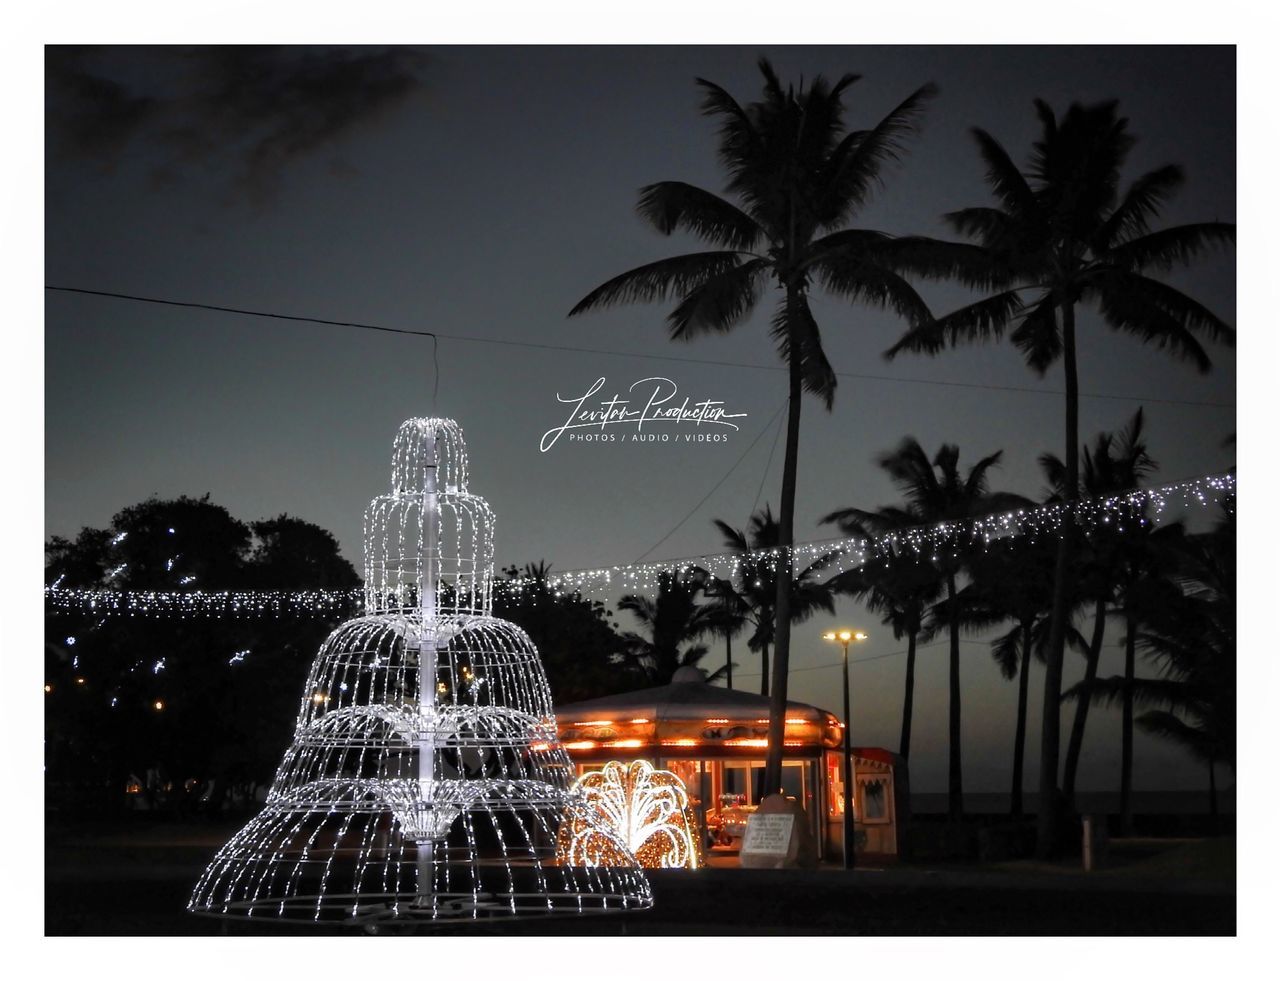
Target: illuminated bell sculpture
[424,782]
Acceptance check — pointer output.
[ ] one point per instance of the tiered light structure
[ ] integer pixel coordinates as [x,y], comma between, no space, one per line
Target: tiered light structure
[425,782]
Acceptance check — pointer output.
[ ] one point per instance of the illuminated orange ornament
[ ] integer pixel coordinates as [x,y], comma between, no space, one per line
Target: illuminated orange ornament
[649,809]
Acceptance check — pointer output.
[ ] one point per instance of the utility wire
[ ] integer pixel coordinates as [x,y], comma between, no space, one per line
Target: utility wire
[860,660]
[768,463]
[708,494]
[863,376]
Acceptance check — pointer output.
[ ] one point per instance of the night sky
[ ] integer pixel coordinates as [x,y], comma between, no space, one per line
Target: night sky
[480,192]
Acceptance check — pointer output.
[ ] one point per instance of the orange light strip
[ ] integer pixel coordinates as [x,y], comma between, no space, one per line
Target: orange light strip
[718,721]
[797,722]
[747,742]
[639,722]
[596,722]
[581,744]
[679,742]
[540,747]
[624,744]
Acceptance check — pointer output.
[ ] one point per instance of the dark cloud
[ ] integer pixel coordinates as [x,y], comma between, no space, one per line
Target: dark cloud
[244,113]
[90,115]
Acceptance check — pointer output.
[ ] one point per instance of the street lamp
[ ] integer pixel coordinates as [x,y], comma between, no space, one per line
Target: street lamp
[843,637]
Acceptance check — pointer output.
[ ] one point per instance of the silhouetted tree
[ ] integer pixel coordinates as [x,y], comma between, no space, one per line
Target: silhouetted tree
[674,622]
[1113,466]
[754,586]
[799,178]
[576,637]
[900,590]
[1063,233]
[1013,581]
[935,492]
[229,687]
[1190,635]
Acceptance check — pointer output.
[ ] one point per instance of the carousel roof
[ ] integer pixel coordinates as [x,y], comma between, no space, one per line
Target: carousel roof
[687,697]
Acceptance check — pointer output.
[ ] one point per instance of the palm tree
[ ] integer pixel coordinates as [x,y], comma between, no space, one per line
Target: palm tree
[798,177]
[730,610]
[900,590]
[1144,585]
[935,492]
[674,620]
[1013,580]
[1192,639]
[1114,465]
[1061,234]
[752,590]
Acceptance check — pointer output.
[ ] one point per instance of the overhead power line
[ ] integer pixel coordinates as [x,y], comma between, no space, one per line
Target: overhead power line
[862,660]
[692,511]
[536,345]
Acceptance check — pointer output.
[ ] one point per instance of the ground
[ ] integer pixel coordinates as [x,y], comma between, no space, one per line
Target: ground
[134,880]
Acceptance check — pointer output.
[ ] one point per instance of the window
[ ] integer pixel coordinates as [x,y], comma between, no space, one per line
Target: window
[873,795]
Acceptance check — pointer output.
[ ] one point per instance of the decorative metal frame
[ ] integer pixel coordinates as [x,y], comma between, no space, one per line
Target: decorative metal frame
[424,782]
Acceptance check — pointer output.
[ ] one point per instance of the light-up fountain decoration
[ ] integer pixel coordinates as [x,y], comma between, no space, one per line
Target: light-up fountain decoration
[424,782]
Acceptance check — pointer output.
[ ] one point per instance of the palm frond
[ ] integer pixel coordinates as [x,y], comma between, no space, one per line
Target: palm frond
[1006,651]
[1186,311]
[739,139]
[861,155]
[1194,740]
[1037,335]
[1128,303]
[986,319]
[972,265]
[1141,203]
[1171,247]
[655,281]
[1003,176]
[874,285]
[669,205]
[720,303]
[989,226]
[797,335]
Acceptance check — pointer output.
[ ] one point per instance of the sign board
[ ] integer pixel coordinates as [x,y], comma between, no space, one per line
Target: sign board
[768,834]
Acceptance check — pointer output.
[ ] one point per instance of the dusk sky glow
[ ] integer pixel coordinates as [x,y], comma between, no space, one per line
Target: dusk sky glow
[480,192]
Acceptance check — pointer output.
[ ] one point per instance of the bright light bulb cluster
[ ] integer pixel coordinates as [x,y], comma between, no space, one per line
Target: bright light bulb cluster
[424,782]
[647,808]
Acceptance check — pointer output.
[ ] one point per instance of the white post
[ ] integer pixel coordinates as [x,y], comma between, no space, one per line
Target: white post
[426,741]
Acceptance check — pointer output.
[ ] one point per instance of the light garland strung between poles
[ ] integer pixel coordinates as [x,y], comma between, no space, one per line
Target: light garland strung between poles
[834,555]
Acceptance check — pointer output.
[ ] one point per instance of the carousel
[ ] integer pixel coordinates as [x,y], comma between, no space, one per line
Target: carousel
[715,740]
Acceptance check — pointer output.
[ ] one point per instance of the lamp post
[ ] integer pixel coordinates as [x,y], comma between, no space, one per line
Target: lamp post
[842,637]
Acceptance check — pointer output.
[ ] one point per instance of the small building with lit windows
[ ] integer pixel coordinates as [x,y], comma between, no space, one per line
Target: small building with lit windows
[715,740]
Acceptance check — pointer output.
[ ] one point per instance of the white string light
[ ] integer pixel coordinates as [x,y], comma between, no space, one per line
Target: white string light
[388,574]
[425,781]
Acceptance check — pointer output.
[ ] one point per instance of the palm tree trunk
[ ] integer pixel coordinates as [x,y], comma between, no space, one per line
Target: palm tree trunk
[908,697]
[1126,729]
[1020,730]
[1213,799]
[782,605]
[728,660]
[1076,743]
[1048,817]
[764,669]
[955,790]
